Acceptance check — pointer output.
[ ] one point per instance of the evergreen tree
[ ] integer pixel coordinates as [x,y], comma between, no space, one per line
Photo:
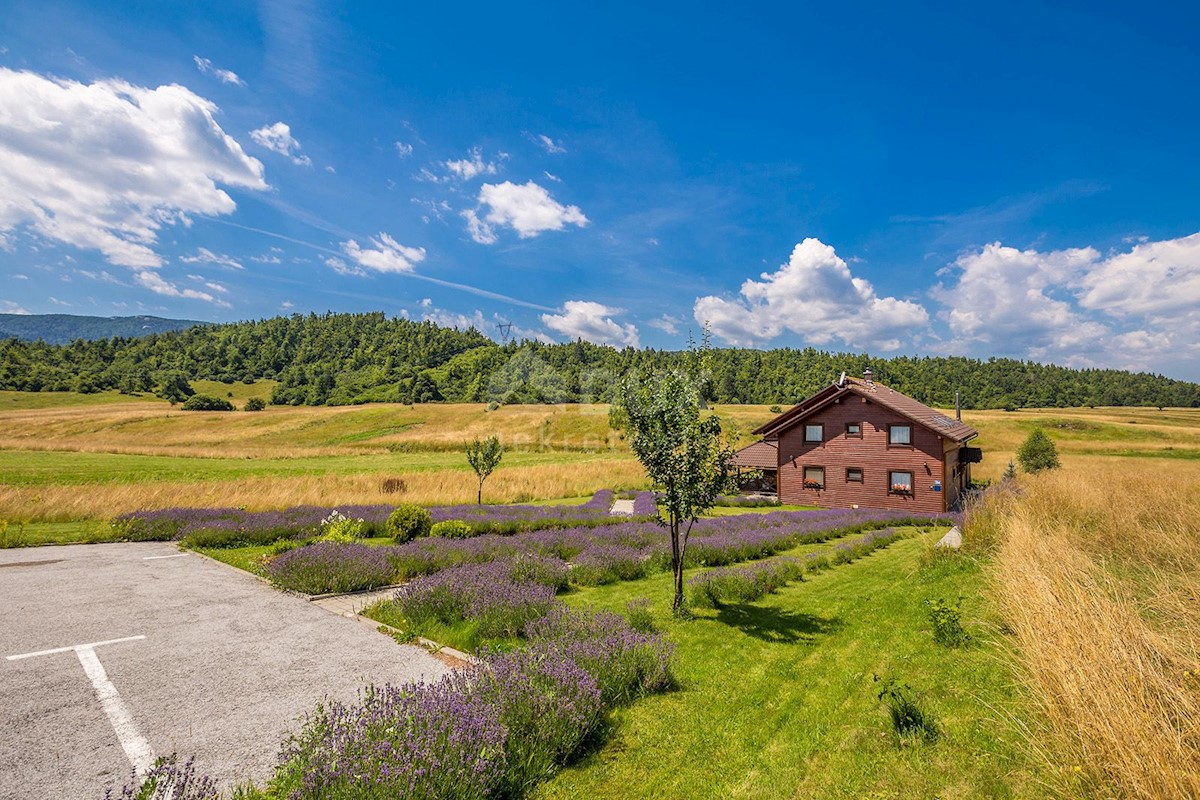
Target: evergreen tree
[1038,452]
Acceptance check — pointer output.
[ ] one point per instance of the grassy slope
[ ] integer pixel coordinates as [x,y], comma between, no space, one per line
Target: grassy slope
[779,698]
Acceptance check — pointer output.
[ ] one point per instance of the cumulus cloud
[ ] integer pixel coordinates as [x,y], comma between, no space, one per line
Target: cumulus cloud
[528,209]
[278,139]
[816,297]
[384,255]
[593,322]
[1077,306]
[9,307]
[205,256]
[1005,299]
[404,150]
[223,75]
[472,166]
[104,166]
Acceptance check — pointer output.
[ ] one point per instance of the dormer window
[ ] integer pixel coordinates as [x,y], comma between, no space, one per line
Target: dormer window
[854,430]
[814,433]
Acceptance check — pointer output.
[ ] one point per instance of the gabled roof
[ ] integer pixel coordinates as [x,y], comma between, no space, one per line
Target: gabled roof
[760,455]
[921,414]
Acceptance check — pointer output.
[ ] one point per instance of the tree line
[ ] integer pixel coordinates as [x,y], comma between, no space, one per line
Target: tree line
[343,359]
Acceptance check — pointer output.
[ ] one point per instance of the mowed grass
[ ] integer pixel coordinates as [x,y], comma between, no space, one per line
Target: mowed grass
[779,698]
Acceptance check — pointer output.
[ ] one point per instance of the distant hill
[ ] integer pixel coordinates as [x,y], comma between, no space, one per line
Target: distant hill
[65,328]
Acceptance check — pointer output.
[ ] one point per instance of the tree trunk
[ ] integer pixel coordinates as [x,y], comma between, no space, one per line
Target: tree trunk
[676,565]
[479,496]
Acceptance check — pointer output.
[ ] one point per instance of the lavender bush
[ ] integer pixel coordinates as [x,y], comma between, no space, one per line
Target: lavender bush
[487,595]
[439,741]
[744,584]
[331,567]
[167,780]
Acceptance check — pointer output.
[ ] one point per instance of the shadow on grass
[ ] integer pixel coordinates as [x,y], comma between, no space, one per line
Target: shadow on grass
[775,624]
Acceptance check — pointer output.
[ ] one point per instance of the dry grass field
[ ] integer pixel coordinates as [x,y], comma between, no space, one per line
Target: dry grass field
[87,457]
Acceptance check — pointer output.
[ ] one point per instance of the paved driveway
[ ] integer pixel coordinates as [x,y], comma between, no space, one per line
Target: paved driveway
[127,651]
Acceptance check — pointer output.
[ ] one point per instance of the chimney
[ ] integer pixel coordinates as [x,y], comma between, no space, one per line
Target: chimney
[868,378]
[958,406]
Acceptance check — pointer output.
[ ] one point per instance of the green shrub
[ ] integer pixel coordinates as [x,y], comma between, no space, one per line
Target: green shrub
[451,529]
[255,404]
[775,410]
[637,611]
[908,718]
[492,406]
[206,402]
[337,527]
[1035,454]
[945,616]
[408,522]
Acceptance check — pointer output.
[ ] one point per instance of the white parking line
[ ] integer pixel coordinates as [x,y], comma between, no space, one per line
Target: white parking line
[136,748]
[153,558]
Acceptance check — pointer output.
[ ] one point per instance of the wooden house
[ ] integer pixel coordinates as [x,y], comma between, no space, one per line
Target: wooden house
[859,443]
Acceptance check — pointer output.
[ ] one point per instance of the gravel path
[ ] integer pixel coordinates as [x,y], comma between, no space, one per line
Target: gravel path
[196,658]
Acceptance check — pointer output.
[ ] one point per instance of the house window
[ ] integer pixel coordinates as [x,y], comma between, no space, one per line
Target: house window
[900,435]
[854,430]
[814,433]
[854,475]
[900,482]
[814,477]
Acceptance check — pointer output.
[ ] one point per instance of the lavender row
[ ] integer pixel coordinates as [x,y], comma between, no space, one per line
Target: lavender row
[223,527]
[494,731]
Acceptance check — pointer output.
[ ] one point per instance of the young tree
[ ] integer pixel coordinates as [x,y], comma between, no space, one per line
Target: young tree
[1038,452]
[484,457]
[1010,472]
[682,450]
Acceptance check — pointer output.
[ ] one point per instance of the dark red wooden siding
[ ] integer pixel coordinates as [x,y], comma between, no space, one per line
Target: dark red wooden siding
[924,459]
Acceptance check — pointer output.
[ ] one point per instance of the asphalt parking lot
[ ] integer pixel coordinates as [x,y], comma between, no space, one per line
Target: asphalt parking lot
[113,654]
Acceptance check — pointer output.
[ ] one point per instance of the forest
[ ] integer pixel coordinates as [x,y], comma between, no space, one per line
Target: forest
[344,359]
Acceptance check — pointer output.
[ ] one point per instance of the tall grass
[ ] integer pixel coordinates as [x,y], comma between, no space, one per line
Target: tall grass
[436,487]
[1097,573]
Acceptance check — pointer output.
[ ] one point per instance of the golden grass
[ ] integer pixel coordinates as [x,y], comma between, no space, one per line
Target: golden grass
[506,485]
[1097,573]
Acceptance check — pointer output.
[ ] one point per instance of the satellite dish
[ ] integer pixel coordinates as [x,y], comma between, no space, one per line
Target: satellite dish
[842,380]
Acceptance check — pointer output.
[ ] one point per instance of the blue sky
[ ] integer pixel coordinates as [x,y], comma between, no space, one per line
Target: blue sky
[1013,181]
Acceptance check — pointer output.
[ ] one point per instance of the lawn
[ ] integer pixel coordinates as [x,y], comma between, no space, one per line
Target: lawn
[779,698]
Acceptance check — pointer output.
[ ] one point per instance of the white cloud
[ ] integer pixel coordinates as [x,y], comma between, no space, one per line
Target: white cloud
[1078,306]
[265,259]
[206,256]
[155,283]
[1156,279]
[551,177]
[666,323]
[450,319]
[593,322]
[528,209]
[1005,299]
[404,150]
[223,75]
[58,302]
[287,305]
[467,168]
[278,139]
[816,297]
[9,307]
[19,276]
[426,302]
[104,166]
[386,255]
[548,144]
[342,268]
[476,320]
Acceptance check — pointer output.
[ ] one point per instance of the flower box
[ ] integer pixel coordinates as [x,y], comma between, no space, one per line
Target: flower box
[900,488]
[813,485]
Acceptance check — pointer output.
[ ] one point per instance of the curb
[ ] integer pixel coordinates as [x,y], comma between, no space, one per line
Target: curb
[328,595]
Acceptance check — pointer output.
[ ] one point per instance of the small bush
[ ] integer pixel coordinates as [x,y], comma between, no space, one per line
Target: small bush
[255,404]
[945,616]
[775,410]
[637,611]
[206,402]
[1037,452]
[12,535]
[393,486]
[408,522]
[451,529]
[337,527]
[908,718]
[492,406]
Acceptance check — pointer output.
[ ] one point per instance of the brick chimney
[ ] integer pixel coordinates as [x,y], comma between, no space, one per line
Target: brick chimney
[869,378]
